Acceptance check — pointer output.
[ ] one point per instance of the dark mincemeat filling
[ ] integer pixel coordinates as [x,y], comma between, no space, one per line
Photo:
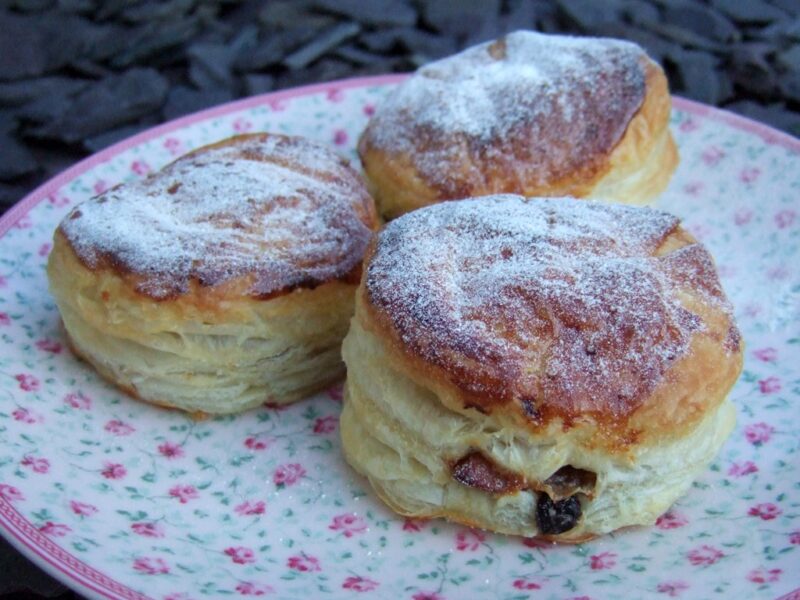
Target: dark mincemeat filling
[558,509]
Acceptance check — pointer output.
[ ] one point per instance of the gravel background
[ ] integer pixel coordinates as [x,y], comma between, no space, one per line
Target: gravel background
[78,75]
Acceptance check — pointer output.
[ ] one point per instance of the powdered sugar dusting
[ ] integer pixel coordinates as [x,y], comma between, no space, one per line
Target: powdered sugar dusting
[535,105]
[561,304]
[287,211]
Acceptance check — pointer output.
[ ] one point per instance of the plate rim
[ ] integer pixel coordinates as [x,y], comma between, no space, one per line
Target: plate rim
[21,533]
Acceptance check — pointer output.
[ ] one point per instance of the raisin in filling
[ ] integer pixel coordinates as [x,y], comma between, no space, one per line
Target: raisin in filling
[557,517]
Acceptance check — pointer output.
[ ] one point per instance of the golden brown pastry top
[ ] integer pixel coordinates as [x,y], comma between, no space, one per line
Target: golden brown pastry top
[555,310]
[268,212]
[528,108]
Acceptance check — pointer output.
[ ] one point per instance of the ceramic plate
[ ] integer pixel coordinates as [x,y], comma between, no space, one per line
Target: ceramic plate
[122,500]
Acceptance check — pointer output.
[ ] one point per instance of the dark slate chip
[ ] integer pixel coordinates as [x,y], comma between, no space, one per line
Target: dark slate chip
[33,5]
[17,93]
[791,7]
[359,57]
[749,11]
[77,6]
[152,39]
[521,15]
[685,37]
[700,20]
[425,44]
[98,142]
[640,11]
[272,47]
[587,14]
[168,10]
[16,161]
[557,517]
[749,67]
[375,13]
[293,13]
[210,65]
[327,69]
[258,84]
[789,59]
[656,47]
[107,104]
[320,45]
[182,100]
[699,76]
[458,18]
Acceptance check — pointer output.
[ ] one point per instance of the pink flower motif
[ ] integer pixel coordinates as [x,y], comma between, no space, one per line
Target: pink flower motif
[427,596]
[24,222]
[26,416]
[277,104]
[256,443]
[672,588]
[117,427]
[247,588]
[758,433]
[413,525]
[794,537]
[766,354]
[742,469]
[525,584]
[764,576]
[369,109]
[777,273]
[177,596]
[749,174]
[241,555]
[55,529]
[140,167]
[689,125]
[469,540]
[184,493]
[241,125]
[58,200]
[49,346]
[10,494]
[671,520]
[335,392]
[766,510]
[537,543]
[82,509]
[712,155]
[694,188]
[248,508]
[44,249]
[784,218]
[79,401]
[27,382]
[742,216]
[704,555]
[769,385]
[604,560]
[326,424]
[151,566]
[170,450]
[38,465]
[340,137]
[173,145]
[334,95]
[288,474]
[3,281]
[100,186]
[359,584]
[151,530]
[349,524]
[303,563]
[5,319]
[113,470]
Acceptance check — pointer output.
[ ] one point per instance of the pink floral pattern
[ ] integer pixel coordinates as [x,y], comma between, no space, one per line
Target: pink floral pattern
[262,504]
[348,524]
